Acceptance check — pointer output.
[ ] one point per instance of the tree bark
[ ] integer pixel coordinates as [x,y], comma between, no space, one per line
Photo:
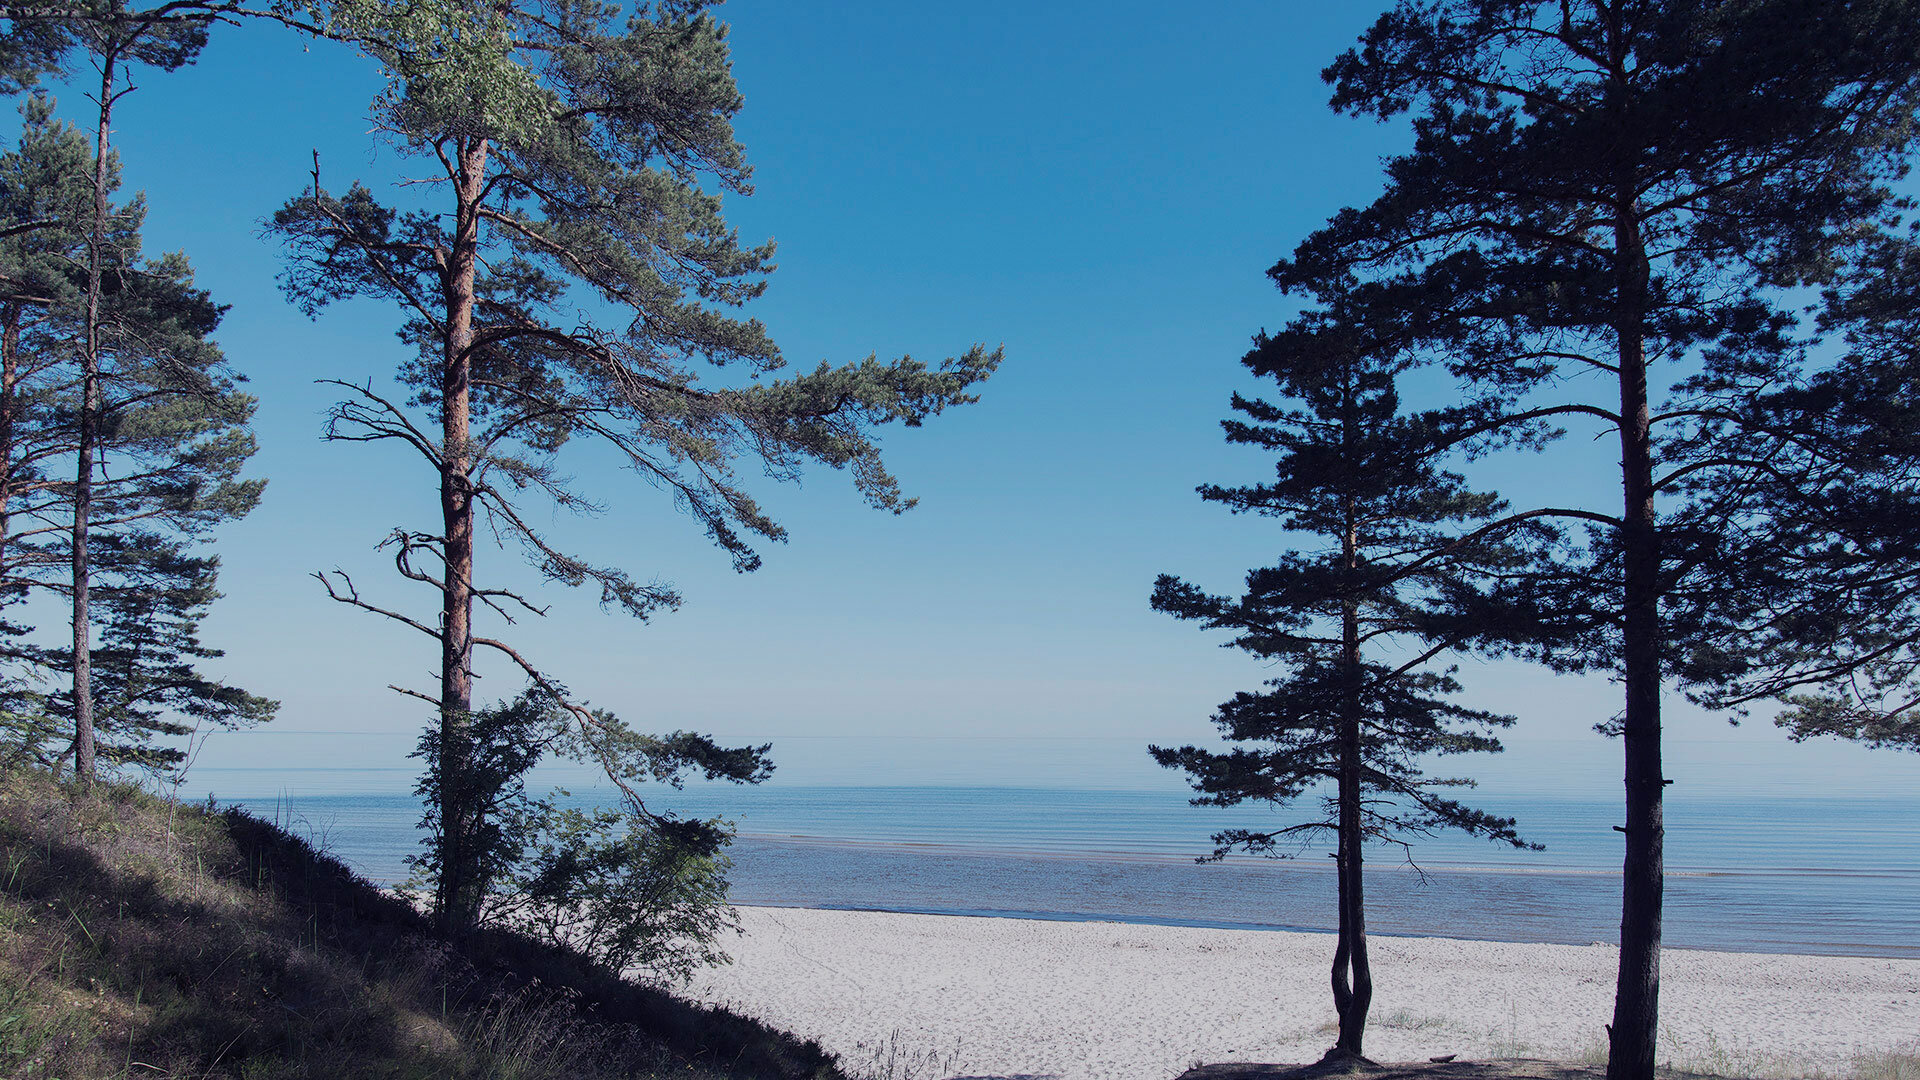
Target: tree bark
[88,420]
[9,415]
[458,907]
[1631,1048]
[1353,908]
[1352,950]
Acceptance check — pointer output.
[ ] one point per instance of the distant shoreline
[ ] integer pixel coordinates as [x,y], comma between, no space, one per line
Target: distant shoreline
[1308,862]
[1072,856]
[1862,951]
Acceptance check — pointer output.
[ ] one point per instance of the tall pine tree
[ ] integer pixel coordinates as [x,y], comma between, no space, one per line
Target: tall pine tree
[1357,624]
[109,370]
[109,299]
[567,155]
[1599,192]
[45,194]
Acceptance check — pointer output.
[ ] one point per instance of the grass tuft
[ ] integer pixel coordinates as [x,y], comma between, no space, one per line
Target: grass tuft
[892,1058]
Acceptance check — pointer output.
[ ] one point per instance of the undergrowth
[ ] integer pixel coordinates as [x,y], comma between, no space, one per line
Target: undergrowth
[141,938]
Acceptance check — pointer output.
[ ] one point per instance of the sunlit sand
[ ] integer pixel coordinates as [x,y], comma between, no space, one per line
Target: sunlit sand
[941,996]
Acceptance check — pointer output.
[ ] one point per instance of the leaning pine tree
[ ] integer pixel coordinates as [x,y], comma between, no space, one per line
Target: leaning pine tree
[1600,193]
[1357,624]
[570,281]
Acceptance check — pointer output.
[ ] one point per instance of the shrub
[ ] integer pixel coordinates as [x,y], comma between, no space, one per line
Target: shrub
[632,890]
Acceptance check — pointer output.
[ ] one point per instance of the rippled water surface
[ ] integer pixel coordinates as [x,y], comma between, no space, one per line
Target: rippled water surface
[1794,874]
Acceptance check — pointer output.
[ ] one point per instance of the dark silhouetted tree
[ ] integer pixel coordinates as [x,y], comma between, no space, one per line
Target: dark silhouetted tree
[1599,193]
[1830,618]
[1356,624]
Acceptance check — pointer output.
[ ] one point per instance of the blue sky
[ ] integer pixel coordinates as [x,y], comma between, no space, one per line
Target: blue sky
[1098,187]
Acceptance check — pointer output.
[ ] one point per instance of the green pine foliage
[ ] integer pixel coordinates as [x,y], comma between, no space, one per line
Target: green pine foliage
[1827,622]
[575,281]
[151,698]
[171,440]
[594,143]
[44,190]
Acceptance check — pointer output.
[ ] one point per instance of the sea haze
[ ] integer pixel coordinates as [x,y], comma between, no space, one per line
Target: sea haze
[1795,873]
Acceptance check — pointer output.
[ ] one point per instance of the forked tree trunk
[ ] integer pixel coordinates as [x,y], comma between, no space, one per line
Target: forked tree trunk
[457,903]
[1342,949]
[1352,974]
[1353,906]
[1636,1005]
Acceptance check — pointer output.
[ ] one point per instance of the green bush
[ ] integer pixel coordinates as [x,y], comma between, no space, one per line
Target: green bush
[632,890]
[630,896]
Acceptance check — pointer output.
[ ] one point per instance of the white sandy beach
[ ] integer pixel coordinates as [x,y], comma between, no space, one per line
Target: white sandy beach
[1017,997]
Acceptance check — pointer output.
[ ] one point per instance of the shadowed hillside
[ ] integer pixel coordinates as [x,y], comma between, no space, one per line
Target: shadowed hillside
[143,938]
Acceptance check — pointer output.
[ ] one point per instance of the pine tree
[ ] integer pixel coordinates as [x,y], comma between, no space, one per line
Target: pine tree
[44,194]
[1829,620]
[170,439]
[1356,624]
[1596,190]
[568,157]
[112,355]
[148,686]
[115,37]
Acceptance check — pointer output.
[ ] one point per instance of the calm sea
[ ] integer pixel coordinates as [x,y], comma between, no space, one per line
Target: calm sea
[1784,874]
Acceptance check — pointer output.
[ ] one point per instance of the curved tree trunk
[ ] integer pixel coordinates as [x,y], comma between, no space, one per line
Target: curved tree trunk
[1352,1005]
[1353,908]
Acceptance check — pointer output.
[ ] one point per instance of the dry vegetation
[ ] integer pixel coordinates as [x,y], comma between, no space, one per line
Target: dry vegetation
[140,938]
[1897,1066]
[1874,1067]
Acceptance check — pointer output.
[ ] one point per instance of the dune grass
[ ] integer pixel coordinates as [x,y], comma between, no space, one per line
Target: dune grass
[1713,1057]
[142,938]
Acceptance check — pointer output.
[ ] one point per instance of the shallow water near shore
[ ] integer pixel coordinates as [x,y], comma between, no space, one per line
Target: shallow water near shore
[1793,874]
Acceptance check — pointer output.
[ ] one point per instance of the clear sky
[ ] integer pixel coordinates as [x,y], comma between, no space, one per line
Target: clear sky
[1097,186]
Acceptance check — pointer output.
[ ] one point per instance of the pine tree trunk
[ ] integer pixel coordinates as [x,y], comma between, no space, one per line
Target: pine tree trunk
[83,734]
[9,416]
[1342,949]
[458,904]
[1636,1004]
[1353,908]
[1351,864]
[1353,917]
